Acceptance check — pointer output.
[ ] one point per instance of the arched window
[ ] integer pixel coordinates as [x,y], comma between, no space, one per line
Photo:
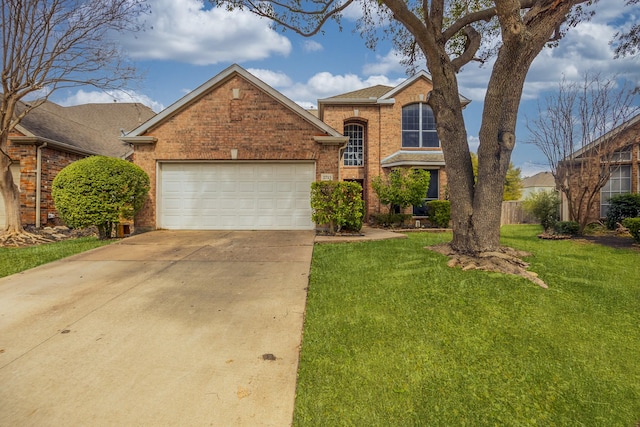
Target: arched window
[419,127]
[354,153]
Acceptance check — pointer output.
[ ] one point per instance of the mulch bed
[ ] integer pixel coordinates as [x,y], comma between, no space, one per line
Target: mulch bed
[613,241]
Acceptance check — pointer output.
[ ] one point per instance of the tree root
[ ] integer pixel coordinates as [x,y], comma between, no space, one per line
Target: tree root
[20,239]
[506,260]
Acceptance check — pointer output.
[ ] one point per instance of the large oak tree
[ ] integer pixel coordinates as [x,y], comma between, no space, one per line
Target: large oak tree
[52,44]
[450,34]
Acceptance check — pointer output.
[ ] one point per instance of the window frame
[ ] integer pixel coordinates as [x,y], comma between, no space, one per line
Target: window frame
[351,151]
[606,192]
[424,127]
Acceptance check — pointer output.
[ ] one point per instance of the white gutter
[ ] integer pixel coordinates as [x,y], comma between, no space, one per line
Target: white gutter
[39,181]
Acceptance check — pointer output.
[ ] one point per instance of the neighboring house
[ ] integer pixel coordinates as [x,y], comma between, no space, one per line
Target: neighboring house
[542,181]
[388,127]
[624,166]
[51,136]
[237,154]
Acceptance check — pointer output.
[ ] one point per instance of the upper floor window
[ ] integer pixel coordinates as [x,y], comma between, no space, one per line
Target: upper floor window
[623,155]
[354,153]
[419,127]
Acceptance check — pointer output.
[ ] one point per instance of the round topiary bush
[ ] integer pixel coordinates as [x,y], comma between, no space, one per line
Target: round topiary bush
[99,191]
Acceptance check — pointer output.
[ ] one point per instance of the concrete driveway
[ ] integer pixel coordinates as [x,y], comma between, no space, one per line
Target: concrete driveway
[166,328]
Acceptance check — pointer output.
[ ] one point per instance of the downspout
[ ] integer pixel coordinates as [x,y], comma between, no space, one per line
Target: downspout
[39,181]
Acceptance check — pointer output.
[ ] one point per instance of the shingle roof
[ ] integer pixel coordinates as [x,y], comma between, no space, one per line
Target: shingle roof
[94,128]
[542,179]
[366,93]
[413,158]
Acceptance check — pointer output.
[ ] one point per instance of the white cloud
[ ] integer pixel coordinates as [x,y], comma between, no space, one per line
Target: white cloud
[185,31]
[105,97]
[585,48]
[390,63]
[274,79]
[325,84]
[312,46]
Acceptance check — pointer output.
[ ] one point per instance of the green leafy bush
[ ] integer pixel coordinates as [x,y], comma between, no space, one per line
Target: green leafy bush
[544,206]
[99,191]
[337,204]
[439,212]
[402,187]
[570,228]
[633,224]
[622,206]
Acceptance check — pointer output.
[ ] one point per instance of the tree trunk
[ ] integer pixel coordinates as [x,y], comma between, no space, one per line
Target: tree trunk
[11,195]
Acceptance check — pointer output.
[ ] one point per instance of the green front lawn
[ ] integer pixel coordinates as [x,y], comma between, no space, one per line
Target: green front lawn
[15,260]
[393,337]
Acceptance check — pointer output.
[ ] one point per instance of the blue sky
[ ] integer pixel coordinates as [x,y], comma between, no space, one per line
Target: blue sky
[186,43]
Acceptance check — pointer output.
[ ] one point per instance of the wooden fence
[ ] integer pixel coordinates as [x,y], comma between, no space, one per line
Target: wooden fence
[513,213]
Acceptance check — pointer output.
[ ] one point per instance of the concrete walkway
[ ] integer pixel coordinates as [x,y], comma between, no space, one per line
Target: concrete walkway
[161,329]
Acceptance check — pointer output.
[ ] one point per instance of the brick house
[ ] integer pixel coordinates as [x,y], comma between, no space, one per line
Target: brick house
[237,154]
[233,154]
[51,136]
[624,167]
[388,127]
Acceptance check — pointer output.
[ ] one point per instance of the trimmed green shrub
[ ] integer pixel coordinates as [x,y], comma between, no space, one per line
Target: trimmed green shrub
[633,224]
[622,206]
[99,191]
[402,187]
[337,204]
[570,228]
[544,206]
[439,212]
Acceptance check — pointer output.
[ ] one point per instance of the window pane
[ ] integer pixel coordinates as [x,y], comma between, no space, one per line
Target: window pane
[411,117]
[410,139]
[619,183]
[430,139]
[432,192]
[354,153]
[428,119]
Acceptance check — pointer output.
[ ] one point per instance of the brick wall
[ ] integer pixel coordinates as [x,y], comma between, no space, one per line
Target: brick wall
[383,124]
[52,162]
[256,124]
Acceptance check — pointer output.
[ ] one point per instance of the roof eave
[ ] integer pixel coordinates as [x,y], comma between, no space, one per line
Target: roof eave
[331,140]
[36,140]
[412,163]
[139,140]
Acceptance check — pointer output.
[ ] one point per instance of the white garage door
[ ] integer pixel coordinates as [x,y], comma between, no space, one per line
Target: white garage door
[235,196]
[15,171]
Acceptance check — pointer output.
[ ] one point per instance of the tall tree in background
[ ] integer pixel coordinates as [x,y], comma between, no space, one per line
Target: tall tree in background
[450,34]
[580,130]
[52,44]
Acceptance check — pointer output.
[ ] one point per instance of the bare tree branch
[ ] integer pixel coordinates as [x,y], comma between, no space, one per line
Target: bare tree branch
[52,44]
[580,131]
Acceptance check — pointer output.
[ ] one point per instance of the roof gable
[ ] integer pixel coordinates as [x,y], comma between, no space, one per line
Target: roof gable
[381,94]
[218,80]
[634,121]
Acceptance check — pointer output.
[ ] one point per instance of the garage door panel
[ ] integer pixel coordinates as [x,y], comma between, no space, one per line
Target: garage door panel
[235,196]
